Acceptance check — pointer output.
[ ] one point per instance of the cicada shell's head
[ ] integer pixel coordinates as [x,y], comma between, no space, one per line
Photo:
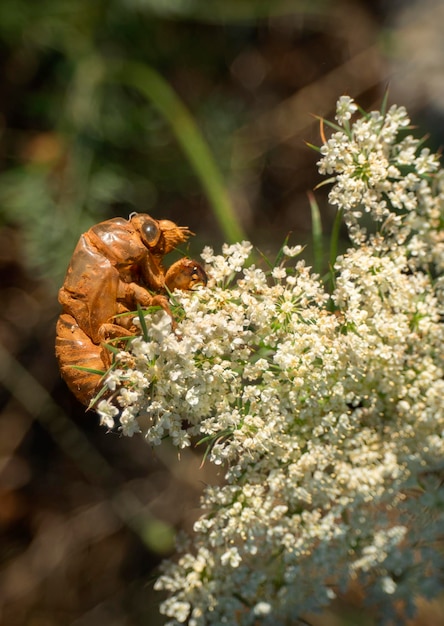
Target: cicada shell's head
[159,236]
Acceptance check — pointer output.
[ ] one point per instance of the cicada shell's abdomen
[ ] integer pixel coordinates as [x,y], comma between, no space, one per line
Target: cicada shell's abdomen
[74,348]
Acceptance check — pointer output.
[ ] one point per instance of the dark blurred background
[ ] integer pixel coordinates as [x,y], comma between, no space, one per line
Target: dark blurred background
[86,516]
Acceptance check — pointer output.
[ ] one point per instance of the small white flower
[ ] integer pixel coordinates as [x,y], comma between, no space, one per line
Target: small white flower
[345,108]
[279,272]
[262,608]
[107,412]
[113,379]
[292,251]
[192,396]
[231,557]
[388,585]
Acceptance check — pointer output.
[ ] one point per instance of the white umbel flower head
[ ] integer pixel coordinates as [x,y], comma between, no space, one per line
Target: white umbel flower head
[324,406]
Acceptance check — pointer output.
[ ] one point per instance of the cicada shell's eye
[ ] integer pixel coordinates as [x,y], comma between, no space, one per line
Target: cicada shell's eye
[147,227]
[150,232]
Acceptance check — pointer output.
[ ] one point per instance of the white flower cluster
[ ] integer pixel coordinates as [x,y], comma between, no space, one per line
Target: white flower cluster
[381,170]
[327,409]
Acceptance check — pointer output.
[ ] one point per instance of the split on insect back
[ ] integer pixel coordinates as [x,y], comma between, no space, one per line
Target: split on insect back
[116,270]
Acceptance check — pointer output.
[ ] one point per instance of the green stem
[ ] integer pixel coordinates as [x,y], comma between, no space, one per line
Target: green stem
[148,82]
[334,241]
[316,228]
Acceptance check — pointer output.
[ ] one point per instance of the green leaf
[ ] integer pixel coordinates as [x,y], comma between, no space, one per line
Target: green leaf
[318,247]
[142,320]
[91,370]
[151,84]
[334,240]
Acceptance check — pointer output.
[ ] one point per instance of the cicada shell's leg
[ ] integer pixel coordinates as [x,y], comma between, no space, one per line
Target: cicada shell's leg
[131,294]
[185,274]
